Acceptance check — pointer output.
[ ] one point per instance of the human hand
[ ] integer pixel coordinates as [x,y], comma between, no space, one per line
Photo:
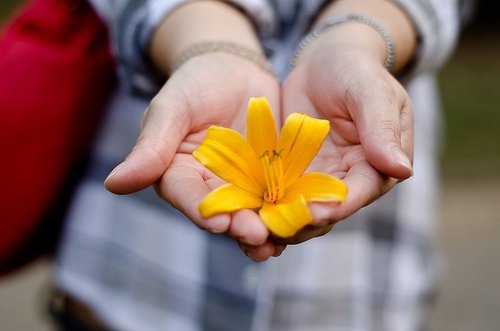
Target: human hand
[211,89]
[370,144]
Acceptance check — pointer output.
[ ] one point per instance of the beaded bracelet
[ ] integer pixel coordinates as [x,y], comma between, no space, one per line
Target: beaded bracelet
[226,47]
[314,34]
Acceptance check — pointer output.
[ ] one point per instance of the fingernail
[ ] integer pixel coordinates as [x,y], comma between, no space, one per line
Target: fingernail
[113,172]
[401,158]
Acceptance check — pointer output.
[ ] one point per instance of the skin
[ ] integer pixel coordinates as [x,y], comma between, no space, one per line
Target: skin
[341,77]
[370,144]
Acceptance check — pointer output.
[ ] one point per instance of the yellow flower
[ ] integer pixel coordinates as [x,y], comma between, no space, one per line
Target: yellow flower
[266,173]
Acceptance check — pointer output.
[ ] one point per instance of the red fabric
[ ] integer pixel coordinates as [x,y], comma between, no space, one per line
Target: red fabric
[56,73]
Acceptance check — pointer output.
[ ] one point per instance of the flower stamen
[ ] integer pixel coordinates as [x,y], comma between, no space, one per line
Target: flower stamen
[273,173]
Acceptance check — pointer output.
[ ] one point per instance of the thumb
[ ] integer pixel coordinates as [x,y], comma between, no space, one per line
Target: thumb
[386,134]
[162,132]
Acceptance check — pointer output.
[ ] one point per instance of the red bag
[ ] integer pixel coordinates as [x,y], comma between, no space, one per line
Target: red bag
[56,73]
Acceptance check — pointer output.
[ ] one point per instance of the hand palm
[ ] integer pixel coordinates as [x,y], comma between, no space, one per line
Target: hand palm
[353,150]
[213,98]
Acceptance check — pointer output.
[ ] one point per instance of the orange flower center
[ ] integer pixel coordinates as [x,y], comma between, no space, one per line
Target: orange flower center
[273,173]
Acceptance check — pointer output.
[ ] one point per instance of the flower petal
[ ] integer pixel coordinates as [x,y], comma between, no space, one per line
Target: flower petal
[317,186]
[226,199]
[261,128]
[285,219]
[228,155]
[300,140]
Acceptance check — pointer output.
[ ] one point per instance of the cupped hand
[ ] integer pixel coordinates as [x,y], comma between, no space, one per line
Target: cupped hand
[370,144]
[212,89]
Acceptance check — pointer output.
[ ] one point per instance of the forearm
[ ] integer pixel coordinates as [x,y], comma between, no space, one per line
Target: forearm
[197,22]
[356,34]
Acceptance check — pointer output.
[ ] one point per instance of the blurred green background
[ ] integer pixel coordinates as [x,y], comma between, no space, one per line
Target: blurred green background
[5,7]
[470,86]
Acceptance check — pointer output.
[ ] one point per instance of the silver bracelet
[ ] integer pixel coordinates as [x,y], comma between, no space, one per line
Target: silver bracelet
[314,34]
[225,47]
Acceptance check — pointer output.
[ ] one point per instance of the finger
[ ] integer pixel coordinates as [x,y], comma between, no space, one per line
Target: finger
[305,234]
[185,186]
[385,120]
[247,227]
[164,126]
[279,249]
[365,184]
[407,130]
[259,253]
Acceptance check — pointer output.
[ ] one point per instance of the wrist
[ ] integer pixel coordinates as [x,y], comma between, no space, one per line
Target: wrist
[386,14]
[351,31]
[198,22]
[227,47]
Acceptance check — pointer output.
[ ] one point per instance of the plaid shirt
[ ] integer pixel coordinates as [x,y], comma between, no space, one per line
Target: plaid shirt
[141,265]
